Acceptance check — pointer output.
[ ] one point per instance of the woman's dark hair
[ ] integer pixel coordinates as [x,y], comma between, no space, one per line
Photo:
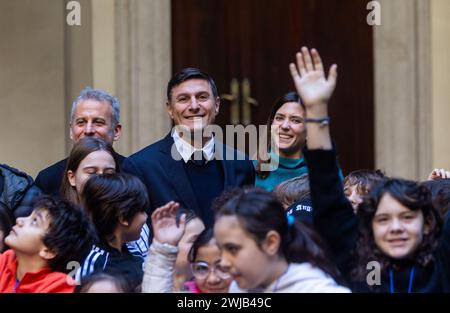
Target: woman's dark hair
[6,221]
[265,157]
[259,211]
[202,240]
[70,234]
[119,281]
[79,152]
[413,196]
[108,197]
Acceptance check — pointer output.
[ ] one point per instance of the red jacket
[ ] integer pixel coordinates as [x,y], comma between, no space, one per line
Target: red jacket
[42,281]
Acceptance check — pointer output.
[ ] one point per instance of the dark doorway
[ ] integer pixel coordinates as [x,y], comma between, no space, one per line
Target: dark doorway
[248,44]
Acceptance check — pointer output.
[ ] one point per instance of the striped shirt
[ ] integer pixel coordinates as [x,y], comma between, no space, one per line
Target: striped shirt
[103,258]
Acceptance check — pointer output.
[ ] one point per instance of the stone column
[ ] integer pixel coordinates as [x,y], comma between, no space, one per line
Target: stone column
[403,89]
[143,68]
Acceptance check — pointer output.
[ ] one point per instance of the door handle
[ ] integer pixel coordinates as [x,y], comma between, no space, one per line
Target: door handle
[248,102]
[233,97]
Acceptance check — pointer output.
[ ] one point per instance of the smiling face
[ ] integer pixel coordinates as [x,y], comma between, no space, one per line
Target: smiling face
[208,256]
[94,118]
[398,231]
[288,130]
[193,105]
[248,264]
[97,162]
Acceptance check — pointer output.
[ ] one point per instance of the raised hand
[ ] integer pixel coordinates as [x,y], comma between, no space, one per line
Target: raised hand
[438,174]
[309,77]
[165,229]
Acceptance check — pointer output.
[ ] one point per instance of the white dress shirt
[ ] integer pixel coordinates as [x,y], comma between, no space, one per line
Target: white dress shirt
[186,150]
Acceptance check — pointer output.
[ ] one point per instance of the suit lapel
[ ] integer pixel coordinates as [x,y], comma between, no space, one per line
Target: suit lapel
[177,174]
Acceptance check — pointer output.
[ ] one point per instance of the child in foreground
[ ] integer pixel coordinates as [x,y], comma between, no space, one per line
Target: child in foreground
[42,245]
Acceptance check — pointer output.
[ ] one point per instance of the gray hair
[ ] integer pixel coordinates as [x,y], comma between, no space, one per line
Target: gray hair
[89,93]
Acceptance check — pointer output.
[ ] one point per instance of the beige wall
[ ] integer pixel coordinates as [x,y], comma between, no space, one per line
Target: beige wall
[103,45]
[31,83]
[45,63]
[441,82]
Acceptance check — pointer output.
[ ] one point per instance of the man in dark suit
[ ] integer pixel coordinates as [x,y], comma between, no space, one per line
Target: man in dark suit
[94,113]
[188,166]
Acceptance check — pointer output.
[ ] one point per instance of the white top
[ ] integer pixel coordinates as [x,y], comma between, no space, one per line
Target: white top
[186,150]
[299,277]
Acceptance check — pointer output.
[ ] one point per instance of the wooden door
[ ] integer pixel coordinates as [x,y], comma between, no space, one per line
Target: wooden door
[254,41]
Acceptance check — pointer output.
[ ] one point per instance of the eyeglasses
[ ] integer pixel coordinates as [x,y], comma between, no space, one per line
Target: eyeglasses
[201,270]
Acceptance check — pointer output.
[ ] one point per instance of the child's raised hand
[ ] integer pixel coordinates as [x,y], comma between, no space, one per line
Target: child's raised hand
[437,174]
[313,87]
[165,229]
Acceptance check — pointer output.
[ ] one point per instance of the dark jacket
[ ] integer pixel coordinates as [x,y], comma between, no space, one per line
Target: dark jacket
[334,219]
[166,179]
[17,191]
[49,180]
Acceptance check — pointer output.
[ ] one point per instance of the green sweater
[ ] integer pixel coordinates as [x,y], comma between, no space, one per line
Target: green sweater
[287,169]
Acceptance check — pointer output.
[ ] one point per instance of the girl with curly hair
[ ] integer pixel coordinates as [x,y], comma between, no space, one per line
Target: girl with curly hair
[397,246]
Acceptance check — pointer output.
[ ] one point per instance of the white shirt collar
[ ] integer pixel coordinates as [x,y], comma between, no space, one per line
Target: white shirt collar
[186,150]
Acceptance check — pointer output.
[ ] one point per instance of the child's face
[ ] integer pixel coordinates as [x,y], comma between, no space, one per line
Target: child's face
[210,281]
[26,236]
[97,162]
[134,228]
[246,261]
[352,194]
[397,230]
[193,229]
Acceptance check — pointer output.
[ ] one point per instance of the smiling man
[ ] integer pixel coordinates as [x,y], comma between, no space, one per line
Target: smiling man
[190,166]
[95,113]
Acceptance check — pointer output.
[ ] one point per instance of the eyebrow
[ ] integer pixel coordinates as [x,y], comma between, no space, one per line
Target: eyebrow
[291,116]
[40,216]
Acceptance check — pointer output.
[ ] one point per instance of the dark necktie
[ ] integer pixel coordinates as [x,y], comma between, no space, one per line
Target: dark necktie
[198,158]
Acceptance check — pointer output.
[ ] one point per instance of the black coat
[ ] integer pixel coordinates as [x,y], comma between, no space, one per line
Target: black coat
[166,179]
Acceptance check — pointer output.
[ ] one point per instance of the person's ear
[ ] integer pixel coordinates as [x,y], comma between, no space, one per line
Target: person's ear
[271,243]
[169,109]
[70,132]
[217,106]
[117,131]
[71,178]
[46,253]
[123,221]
